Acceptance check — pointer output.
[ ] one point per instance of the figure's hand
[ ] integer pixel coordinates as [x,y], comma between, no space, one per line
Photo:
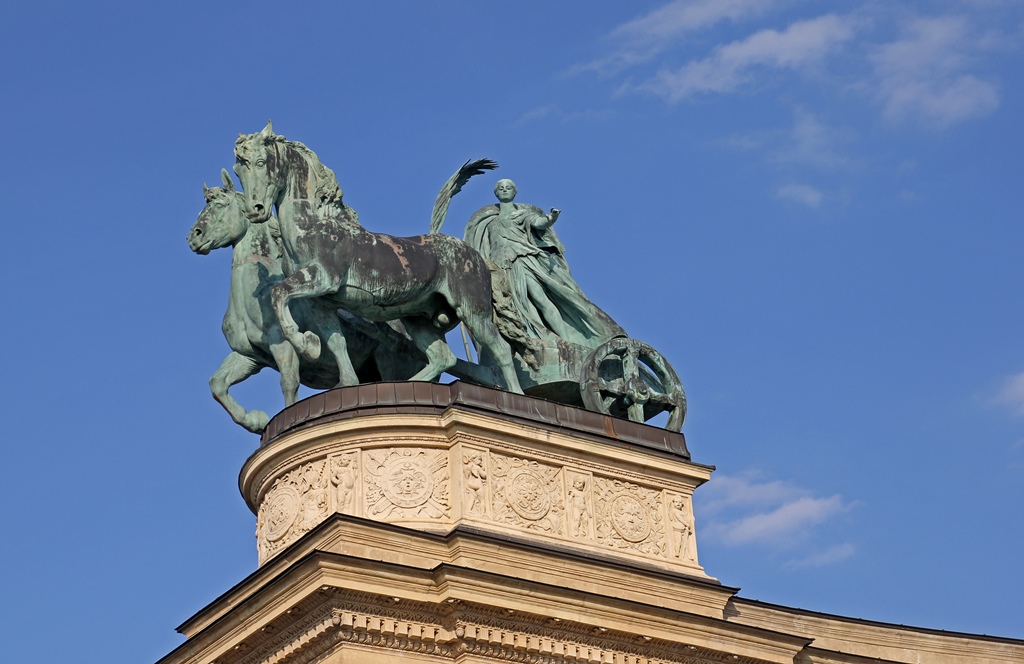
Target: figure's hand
[554,214]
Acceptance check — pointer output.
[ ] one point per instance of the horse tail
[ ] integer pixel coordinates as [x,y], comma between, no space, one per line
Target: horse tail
[507,320]
[454,186]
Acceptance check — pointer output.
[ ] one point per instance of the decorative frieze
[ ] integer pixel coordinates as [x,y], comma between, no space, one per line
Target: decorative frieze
[629,516]
[527,494]
[295,504]
[406,483]
[579,496]
[451,631]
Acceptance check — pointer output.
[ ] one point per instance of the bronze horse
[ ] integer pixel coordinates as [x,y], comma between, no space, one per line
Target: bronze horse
[250,327]
[430,282]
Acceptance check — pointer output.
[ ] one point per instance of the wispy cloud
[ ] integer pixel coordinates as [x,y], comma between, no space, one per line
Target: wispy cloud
[933,72]
[924,74]
[809,142]
[552,112]
[1011,394]
[744,511]
[830,556]
[812,142]
[804,194]
[726,491]
[642,38]
[780,524]
[538,113]
[731,66]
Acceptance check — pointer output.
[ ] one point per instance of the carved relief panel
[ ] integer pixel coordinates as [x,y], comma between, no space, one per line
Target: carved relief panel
[344,469]
[580,502]
[527,494]
[475,482]
[680,522]
[629,516]
[296,503]
[406,483]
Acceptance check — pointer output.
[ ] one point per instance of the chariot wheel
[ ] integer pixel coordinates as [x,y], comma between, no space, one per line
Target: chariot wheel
[627,378]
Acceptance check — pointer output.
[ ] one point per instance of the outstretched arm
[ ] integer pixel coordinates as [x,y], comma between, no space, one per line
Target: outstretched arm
[544,221]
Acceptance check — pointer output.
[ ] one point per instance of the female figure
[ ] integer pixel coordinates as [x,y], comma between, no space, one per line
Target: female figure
[519,239]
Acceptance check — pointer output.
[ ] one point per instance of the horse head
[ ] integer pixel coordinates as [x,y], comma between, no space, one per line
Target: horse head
[259,165]
[222,222]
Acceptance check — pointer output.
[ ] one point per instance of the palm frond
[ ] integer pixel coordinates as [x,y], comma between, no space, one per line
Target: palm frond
[453,186]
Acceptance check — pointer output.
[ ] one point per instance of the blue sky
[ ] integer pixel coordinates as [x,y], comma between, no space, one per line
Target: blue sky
[811,209]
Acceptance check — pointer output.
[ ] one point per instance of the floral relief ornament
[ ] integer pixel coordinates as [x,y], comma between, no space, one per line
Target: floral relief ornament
[629,516]
[295,504]
[527,494]
[406,483]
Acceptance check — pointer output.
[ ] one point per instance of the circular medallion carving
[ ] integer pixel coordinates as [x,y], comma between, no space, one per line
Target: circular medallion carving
[281,510]
[407,482]
[528,496]
[629,518]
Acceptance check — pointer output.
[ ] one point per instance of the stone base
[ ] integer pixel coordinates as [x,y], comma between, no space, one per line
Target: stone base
[431,523]
[439,461]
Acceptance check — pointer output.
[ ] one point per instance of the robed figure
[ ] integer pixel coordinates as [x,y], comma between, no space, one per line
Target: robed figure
[519,239]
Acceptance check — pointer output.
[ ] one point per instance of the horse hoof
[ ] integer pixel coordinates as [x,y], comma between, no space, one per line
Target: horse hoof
[256,421]
[311,346]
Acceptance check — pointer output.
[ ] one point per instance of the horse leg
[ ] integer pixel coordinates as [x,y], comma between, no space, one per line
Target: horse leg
[234,369]
[431,341]
[486,334]
[288,366]
[330,329]
[307,282]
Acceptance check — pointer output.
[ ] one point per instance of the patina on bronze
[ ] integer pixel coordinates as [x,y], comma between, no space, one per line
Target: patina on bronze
[312,276]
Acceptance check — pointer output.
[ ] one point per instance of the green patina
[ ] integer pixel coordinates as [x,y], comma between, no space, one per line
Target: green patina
[313,276]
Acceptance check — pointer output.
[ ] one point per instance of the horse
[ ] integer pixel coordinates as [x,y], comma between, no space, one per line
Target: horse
[250,327]
[430,282]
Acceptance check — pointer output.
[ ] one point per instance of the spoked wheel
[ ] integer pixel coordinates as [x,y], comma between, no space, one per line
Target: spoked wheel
[627,378]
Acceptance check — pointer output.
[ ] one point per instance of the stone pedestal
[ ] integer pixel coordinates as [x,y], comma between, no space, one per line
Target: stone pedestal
[449,523]
[437,458]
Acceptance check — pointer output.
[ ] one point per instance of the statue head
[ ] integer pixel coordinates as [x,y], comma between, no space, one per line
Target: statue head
[222,222]
[505,190]
[257,166]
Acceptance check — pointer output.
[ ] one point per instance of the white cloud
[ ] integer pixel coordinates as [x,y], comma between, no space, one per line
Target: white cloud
[809,142]
[553,113]
[682,16]
[804,194]
[644,37]
[786,522]
[782,513]
[923,74]
[538,113]
[812,142]
[801,44]
[728,491]
[1011,394]
[829,556]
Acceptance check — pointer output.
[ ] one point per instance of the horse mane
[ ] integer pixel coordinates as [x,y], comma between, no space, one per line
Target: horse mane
[328,192]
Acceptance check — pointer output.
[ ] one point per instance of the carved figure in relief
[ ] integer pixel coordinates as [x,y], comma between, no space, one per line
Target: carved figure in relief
[682,528]
[579,508]
[475,475]
[343,477]
[314,497]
